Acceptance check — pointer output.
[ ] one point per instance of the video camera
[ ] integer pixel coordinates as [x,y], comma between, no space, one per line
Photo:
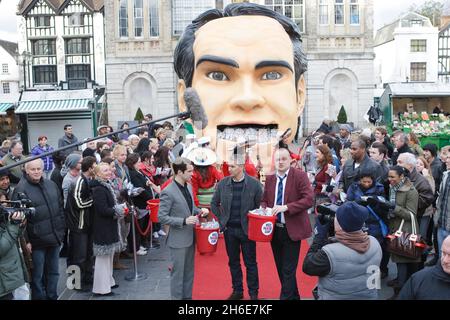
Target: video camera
[23,205]
[327,213]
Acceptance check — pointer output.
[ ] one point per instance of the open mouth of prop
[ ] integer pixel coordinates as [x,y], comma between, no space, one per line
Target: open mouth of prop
[251,132]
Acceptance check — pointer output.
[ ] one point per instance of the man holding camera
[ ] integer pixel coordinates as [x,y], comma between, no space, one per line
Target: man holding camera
[12,265]
[343,263]
[45,230]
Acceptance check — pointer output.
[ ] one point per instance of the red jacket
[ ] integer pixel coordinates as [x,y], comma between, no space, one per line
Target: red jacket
[214,176]
[321,179]
[299,197]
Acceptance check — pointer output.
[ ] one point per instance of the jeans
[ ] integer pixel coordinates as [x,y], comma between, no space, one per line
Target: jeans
[45,273]
[235,241]
[441,235]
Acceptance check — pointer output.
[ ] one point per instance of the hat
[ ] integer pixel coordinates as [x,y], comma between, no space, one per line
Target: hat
[204,140]
[346,126]
[351,216]
[432,148]
[202,156]
[4,173]
[72,160]
[101,127]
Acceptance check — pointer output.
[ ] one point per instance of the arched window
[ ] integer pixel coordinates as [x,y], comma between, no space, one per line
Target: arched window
[123,18]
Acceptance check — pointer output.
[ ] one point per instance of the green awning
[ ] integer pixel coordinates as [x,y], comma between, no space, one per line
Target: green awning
[4,107]
[53,106]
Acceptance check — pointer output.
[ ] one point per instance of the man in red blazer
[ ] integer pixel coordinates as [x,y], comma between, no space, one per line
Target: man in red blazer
[290,194]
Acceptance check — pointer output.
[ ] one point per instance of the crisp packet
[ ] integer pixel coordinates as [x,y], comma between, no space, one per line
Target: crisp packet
[210,224]
[262,211]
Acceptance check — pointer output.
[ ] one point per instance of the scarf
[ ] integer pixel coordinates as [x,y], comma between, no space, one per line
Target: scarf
[393,190]
[356,240]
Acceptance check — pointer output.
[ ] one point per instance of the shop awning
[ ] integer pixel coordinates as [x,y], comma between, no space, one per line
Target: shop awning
[4,107]
[53,106]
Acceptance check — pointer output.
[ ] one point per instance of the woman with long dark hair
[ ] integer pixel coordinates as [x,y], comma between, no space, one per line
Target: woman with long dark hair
[404,200]
[324,164]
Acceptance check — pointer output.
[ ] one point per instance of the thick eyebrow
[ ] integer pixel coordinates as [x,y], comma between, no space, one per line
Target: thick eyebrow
[217,59]
[273,63]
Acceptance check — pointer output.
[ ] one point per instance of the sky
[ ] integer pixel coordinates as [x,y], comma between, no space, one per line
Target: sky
[385,11]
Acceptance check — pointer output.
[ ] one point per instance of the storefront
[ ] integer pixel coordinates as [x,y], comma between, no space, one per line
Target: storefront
[412,107]
[46,113]
[10,125]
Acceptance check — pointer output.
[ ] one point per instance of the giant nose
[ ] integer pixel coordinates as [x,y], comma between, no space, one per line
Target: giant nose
[248,95]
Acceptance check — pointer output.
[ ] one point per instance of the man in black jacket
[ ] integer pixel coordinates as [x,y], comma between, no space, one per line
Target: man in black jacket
[45,230]
[235,196]
[430,283]
[78,212]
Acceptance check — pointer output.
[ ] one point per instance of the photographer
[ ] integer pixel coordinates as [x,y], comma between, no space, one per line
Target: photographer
[342,263]
[12,265]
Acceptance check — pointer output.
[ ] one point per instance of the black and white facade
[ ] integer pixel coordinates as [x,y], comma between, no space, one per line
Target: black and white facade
[61,43]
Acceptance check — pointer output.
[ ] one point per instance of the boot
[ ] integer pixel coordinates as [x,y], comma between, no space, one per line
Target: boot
[116,263]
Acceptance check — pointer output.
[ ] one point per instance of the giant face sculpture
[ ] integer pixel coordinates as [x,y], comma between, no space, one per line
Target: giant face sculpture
[244,74]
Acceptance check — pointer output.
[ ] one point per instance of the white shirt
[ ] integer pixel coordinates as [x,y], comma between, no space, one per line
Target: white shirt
[284,191]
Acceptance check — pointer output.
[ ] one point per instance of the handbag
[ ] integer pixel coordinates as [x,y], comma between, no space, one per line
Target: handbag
[409,245]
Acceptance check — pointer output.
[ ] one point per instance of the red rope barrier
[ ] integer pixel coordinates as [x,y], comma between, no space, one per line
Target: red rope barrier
[138,227]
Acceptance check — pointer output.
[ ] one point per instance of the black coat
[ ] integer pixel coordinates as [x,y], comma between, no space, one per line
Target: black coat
[78,208]
[140,181]
[47,227]
[427,284]
[104,227]
[403,149]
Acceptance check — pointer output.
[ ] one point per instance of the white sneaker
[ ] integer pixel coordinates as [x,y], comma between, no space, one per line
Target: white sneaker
[141,252]
[141,248]
[162,233]
[155,235]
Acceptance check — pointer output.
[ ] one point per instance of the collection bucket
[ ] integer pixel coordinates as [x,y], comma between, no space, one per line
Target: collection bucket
[260,228]
[153,206]
[206,239]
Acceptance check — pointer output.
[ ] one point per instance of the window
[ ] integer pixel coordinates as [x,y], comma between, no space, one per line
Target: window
[76,19]
[416,23]
[44,47]
[44,75]
[184,11]
[323,12]
[354,12]
[418,45]
[418,71]
[153,14]
[339,12]
[42,21]
[6,88]
[138,18]
[123,18]
[77,46]
[293,9]
[5,69]
[78,71]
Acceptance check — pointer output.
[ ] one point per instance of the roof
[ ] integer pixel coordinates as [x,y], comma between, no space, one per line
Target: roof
[57,95]
[386,33]
[414,89]
[53,106]
[25,5]
[10,47]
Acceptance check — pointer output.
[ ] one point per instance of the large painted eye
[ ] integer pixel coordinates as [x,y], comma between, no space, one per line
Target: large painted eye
[217,75]
[271,75]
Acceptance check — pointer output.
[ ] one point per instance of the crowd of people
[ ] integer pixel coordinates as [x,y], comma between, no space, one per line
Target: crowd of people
[82,201]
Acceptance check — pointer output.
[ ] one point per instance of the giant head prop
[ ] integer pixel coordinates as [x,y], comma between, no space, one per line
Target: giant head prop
[246,64]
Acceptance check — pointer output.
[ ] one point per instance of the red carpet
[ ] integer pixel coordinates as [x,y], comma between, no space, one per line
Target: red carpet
[212,279]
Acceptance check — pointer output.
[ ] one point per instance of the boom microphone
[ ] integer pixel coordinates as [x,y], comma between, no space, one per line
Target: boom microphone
[194,106]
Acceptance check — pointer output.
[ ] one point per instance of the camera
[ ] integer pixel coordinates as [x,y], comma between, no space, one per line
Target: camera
[327,213]
[23,205]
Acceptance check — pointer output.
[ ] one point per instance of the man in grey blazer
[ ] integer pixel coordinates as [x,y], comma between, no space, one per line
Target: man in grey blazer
[177,209]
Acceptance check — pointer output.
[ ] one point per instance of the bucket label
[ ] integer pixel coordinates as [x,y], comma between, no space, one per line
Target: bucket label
[213,237]
[267,228]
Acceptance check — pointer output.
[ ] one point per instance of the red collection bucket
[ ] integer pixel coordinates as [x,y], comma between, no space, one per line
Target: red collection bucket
[153,206]
[206,239]
[260,228]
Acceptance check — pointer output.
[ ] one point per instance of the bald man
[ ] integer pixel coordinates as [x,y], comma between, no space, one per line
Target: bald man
[430,283]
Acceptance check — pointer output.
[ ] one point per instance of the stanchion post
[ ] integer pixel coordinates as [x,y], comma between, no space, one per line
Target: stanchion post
[136,275]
